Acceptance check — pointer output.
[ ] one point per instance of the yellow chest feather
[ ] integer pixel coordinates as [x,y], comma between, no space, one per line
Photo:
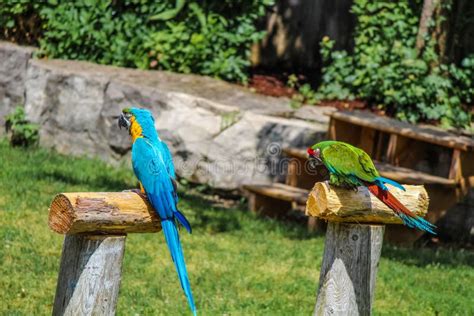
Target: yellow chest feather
[135,129]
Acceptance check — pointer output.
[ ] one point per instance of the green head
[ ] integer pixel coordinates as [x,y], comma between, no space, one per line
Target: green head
[315,150]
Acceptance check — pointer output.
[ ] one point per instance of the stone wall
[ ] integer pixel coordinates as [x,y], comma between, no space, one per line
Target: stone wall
[13,67]
[220,134]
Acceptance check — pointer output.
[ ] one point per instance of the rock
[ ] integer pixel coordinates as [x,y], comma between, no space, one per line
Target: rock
[13,65]
[313,113]
[67,105]
[219,133]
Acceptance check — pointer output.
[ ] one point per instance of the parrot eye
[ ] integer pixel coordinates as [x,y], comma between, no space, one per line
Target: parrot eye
[124,120]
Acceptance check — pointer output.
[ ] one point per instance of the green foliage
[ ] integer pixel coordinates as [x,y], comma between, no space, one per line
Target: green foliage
[212,39]
[21,132]
[204,37]
[20,21]
[238,263]
[386,69]
[305,94]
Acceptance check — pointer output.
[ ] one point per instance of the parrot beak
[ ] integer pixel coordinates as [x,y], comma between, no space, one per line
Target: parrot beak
[124,121]
[315,155]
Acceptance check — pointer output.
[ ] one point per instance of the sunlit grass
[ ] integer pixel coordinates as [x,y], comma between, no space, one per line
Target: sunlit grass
[238,264]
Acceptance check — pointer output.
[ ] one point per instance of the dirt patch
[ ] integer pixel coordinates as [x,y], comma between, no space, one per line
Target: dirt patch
[271,85]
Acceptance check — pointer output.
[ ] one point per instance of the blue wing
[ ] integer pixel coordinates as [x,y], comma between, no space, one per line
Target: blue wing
[167,159]
[153,166]
[150,168]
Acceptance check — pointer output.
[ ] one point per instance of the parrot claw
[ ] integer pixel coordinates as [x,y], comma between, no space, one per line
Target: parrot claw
[327,185]
[137,191]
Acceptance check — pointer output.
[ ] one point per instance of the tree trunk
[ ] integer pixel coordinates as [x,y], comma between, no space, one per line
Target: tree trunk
[435,25]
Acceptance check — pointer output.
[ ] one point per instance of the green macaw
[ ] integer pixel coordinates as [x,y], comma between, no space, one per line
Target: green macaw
[351,167]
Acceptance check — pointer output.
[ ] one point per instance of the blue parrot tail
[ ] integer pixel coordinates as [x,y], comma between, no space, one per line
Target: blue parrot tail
[174,245]
[417,222]
[380,181]
[183,220]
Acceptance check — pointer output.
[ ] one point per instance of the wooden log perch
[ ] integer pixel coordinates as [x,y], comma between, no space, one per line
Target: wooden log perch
[95,225]
[103,213]
[344,205]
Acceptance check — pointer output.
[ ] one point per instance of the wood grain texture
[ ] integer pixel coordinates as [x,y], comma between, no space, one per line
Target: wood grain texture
[108,212]
[343,205]
[349,269]
[89,275]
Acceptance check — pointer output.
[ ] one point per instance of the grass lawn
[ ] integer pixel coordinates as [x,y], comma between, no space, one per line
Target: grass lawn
[238,264]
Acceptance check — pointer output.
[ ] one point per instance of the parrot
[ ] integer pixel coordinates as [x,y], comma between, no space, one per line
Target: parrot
[351,167]
[153,166]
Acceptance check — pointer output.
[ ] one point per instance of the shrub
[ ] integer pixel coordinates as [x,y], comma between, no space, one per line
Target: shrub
[20,131]
[213,39]
[386,69]
[20,21]
[204,37]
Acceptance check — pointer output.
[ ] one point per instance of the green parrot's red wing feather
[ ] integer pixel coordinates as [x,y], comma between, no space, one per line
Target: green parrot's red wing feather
[408,217]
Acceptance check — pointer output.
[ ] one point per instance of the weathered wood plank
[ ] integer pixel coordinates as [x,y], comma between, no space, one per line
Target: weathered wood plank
[455,171]
[89,275]
[424,133]
[349,269]
[280,191]
[293,172]
[410,176]
[392,149]
[108,212]
[343,205]
[367,140]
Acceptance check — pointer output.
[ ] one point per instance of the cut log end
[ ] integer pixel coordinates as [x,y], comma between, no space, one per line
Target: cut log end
[102,213]
[343,205]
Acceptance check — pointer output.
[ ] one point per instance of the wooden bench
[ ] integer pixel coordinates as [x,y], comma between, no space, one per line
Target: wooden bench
[401,151]
[446,157]
[404,145]
[270,198]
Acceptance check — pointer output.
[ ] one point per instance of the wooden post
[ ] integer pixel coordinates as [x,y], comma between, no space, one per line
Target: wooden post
[89,275]
[95,225]
[349,269]
[353,243]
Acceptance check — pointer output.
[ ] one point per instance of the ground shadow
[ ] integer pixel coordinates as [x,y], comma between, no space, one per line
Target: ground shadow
[422,257]
[97,181]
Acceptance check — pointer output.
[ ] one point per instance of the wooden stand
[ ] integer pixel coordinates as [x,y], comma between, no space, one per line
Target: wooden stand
[349,269]
[352,249]
[95,225]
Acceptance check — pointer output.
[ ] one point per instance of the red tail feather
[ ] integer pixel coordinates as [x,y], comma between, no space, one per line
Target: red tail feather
[388,199]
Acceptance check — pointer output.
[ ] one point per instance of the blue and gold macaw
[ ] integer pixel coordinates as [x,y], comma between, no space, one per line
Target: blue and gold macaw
[153,166]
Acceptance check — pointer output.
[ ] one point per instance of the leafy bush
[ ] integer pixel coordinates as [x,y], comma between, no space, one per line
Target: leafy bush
[19,21]
[20,131]
[386,69]
[205,37]
[213,40]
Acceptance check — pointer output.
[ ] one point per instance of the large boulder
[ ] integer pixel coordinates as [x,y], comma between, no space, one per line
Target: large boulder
[13,65]
[219,133]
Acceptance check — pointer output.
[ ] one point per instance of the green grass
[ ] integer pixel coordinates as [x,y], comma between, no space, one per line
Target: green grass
[238,264]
